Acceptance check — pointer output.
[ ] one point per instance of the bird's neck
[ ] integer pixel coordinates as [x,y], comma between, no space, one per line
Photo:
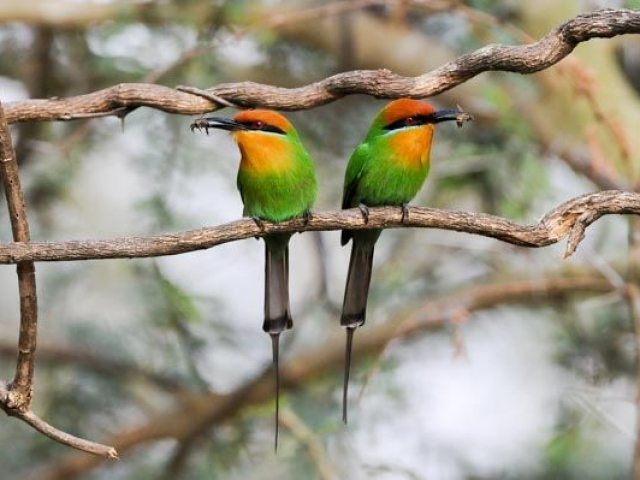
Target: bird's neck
[267,154]
[412,147]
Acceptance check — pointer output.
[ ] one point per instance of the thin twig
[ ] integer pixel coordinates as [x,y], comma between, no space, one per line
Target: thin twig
[310,441]
[634,305]
[584,85]
[571,218]
[88,360]
[43,427]
[633,300]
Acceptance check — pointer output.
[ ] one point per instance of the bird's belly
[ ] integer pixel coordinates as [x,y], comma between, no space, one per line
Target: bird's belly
[391,186]
[276,198]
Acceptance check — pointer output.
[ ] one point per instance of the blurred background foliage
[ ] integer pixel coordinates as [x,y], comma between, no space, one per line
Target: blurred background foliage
[538,386]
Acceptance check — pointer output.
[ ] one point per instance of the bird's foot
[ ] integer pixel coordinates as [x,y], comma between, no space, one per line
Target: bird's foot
[259,223]
[307,216]
[364,210]
[405,212]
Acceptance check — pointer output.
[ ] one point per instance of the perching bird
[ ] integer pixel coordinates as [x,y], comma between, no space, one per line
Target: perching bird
[277,182]
[387,168]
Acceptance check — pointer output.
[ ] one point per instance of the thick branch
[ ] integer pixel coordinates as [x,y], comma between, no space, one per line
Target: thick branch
[552,48]
[569,219]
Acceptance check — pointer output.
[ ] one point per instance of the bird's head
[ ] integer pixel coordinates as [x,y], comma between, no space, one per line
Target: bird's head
[248,125]
[266,139]
[403,114]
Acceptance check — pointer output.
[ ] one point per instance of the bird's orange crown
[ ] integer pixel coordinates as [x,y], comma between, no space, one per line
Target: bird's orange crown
[404,108]
[268,117]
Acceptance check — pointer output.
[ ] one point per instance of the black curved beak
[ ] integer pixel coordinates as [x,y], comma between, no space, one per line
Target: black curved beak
[448,115]
[222,123]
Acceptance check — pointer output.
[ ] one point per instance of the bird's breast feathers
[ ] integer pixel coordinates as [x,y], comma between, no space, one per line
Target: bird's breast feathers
[411,147]
[263,152]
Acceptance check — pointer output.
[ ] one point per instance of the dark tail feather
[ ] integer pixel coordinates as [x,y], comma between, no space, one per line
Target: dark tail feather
[277,316]
[275,346]
[354,308]
[347,370]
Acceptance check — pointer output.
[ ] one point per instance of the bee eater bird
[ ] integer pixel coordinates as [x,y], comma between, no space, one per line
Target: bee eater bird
[386,169]
[277,182]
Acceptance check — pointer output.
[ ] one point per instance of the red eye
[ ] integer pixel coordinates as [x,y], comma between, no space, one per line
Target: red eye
[410,121]
[258,125]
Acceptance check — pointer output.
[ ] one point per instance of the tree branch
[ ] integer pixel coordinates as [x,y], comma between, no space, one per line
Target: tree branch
[525,59]
[311,443]
[43,427]
[88,360]
[568,219]
[15,397]
[19,392]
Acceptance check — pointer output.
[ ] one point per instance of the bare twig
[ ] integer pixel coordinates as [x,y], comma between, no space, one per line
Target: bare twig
[85,359]
[579,159]
[633,300]
[568,219]
[59,436]
[552,48]
[634,304]
[310,441]
[43,427]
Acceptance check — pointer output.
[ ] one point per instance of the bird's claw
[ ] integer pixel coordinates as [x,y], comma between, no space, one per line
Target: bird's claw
[306,217]
[364,210]
[405,212]
[259,223]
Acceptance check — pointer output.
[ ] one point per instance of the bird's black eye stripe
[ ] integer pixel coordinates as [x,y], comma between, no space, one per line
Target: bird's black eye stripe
[409,122]
[272,129]
[262,127]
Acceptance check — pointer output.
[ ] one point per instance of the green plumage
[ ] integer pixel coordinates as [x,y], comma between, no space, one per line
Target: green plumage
[388,168]
[277,189]
[277,182]
[378,175]
[279,196]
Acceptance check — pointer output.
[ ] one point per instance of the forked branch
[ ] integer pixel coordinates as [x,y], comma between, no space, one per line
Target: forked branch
[15,397]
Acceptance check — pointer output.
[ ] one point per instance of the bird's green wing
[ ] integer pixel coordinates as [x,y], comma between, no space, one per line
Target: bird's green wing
[239,184]
[353,174]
